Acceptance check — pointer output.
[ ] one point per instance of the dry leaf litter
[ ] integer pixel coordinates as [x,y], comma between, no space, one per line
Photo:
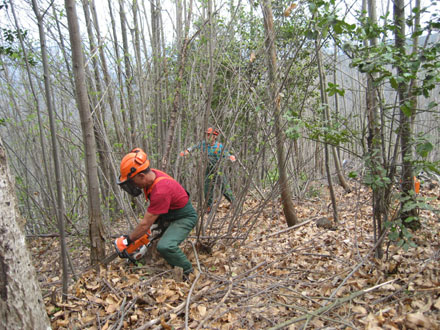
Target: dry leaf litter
[308,276]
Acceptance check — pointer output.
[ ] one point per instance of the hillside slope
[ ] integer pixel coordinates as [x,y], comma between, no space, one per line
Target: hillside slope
[279,277]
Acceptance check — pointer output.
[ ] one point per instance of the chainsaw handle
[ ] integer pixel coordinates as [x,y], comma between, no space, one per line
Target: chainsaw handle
[143,240]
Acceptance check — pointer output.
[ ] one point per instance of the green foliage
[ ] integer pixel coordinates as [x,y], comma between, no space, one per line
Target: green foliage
[294,128]
[313,192]
[423,148]
[273,175]
[332,89]
[399,228]
[399,234]
[378,179]
[353,174]
[335,132]
[11,48]
[326,20]
[381,59]
[380,62]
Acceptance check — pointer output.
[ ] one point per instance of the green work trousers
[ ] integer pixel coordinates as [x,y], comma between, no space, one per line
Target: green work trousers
[182,221]
[212,179]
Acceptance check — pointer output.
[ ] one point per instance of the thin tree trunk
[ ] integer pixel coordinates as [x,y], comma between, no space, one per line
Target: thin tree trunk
[335,150]
[55,149]
[63,47]
[404,124]
[98,109]
[413,86]
[96,231]
[119,74]
[157,77]
[140,75]
[174,115]
[21,303]
[112,173]
[326,122]
[128,74]
[374,142]
[107,80]
[51,201]
[175,112]
[275,99]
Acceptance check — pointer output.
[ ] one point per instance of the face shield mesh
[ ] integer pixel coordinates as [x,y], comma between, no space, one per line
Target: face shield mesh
[130,188]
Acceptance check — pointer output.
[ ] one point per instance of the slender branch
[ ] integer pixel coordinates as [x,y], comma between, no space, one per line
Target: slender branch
[326,308]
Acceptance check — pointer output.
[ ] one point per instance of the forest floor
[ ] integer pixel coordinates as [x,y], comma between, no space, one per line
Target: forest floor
[283,278]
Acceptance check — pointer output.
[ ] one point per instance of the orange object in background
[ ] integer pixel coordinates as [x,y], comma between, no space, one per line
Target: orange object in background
[416,185]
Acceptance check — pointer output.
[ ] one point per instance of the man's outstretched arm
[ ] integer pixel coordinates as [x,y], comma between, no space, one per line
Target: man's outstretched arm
[143,226]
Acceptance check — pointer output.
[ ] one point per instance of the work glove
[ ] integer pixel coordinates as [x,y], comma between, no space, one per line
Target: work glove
[121,244]
[232,158]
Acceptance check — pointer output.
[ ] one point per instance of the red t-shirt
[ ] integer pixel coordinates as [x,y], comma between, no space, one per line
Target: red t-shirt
[166,195]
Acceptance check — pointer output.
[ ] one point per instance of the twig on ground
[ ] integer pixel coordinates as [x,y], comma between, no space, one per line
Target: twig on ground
[112,289]
[336,303]
[188,299]
[359,265]
[281,231]
[214,311]
[302,309]
[118,325]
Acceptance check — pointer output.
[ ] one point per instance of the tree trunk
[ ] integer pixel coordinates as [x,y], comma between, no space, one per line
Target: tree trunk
[175,111]
[40,122]
[157,76]
[140,74]
[96,231]
[108,84]
[414,82]
[21,303]
[98,109]
[336,150]
[326,122]
[374,142]
[174,115]
[128,75]
[55,149]
[275,99]
[111,100]
[126,140]
[404,124]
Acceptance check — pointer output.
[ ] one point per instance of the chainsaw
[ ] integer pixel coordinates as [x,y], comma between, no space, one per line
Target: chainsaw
[133,252]
[138,248]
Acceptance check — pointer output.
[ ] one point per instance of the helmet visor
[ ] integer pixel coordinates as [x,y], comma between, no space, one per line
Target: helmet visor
[130,188]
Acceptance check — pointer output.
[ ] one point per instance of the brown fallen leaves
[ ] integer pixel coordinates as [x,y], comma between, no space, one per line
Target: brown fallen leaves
[307,276]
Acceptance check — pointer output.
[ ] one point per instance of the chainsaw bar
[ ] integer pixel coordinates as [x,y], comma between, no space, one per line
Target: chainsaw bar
[109,258]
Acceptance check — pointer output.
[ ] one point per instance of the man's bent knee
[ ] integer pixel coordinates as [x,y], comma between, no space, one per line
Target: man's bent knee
[165,249]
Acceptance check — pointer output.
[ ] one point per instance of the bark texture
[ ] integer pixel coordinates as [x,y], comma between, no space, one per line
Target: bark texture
[96,230]
[286,194]
[21,302]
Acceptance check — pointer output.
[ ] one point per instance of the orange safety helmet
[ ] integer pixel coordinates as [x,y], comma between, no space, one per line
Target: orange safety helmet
[210,130]
[133,163]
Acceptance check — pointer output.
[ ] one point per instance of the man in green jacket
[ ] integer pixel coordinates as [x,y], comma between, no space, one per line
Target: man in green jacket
[215,151]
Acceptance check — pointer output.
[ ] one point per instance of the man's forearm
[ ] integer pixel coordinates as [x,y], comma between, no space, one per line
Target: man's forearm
[143,226]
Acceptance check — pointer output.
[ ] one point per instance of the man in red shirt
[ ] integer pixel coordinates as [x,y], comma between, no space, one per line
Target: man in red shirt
[169,202]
